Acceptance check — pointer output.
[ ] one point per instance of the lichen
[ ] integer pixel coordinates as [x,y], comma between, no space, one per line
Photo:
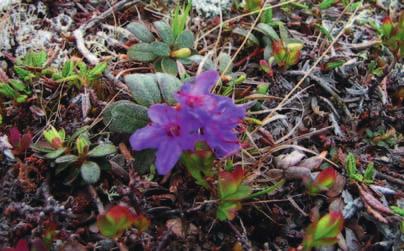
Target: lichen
[211,8]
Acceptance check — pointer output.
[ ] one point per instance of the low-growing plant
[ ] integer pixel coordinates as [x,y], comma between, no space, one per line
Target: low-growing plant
[15,90]
[252,5]
[74,73]
[77,73]
[20,142]
[324,231]
[279,49]
[353,172]
[384,138]
[198,116]
[231,191]
[323,182]
[30,66]
[118,219]
[176,43]
[391,33]
[75,154]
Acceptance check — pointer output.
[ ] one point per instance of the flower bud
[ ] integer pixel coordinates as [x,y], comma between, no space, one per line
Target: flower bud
[181,53]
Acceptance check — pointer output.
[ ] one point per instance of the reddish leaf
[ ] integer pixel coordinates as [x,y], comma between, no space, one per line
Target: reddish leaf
[119,218]
[266,67]
[49,232]
[227,210]
[324,181]
[14,136]
[323,232]
[278,51]
[231,191]
[387,26]
[22,245]
[26,141]
[294,51]
[230,181]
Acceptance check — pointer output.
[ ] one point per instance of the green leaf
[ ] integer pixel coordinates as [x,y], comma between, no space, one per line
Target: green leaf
[125,116]
[243,191]
[369,173]
[141,32]
[97,70]
[68,69]
[169,65]
[323,232]
[102,150]
[90,172]
[142,52]
[351,168]
[185,40]
[34,59]
[21,98]
[398,210]
[266,16]
[324,31]
[144,88]
[179,19]
[243,32]
[56,153]
[224,60]
[70,158]
[164,30]
[19,86]
[252,5]
[23,74]
[160,49]
[268,190]
[168,85]
[283,33]
[227,210]
[267,30]
[7,90]
[325,4]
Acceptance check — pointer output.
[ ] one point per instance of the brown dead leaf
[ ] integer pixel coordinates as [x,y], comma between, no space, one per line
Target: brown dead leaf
[175,225]
[287,160]
[297,172]
[338,186]
[375,214]
[372,201]
[314,162]
[336,205]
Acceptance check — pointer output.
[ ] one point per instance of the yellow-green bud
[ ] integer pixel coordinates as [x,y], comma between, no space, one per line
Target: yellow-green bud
[181,53]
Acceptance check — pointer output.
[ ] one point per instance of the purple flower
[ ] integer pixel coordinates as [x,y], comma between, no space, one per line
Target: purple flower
[196,93]
[171,132]
[201,116]
[218,116]
[219,124]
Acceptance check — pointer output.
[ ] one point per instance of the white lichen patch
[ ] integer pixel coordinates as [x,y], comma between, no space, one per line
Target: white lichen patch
[5,4]
[211,8]
[27,27]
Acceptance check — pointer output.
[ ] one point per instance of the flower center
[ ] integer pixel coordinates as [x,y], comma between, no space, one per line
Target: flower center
[173,130]
[194,101]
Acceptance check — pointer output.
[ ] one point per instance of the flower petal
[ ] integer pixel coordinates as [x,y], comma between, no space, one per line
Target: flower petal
[147,137]
[161,114]
[204,82]
[167,156]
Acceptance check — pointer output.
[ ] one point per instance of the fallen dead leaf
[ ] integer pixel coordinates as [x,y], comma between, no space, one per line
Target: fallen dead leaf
[287,160]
